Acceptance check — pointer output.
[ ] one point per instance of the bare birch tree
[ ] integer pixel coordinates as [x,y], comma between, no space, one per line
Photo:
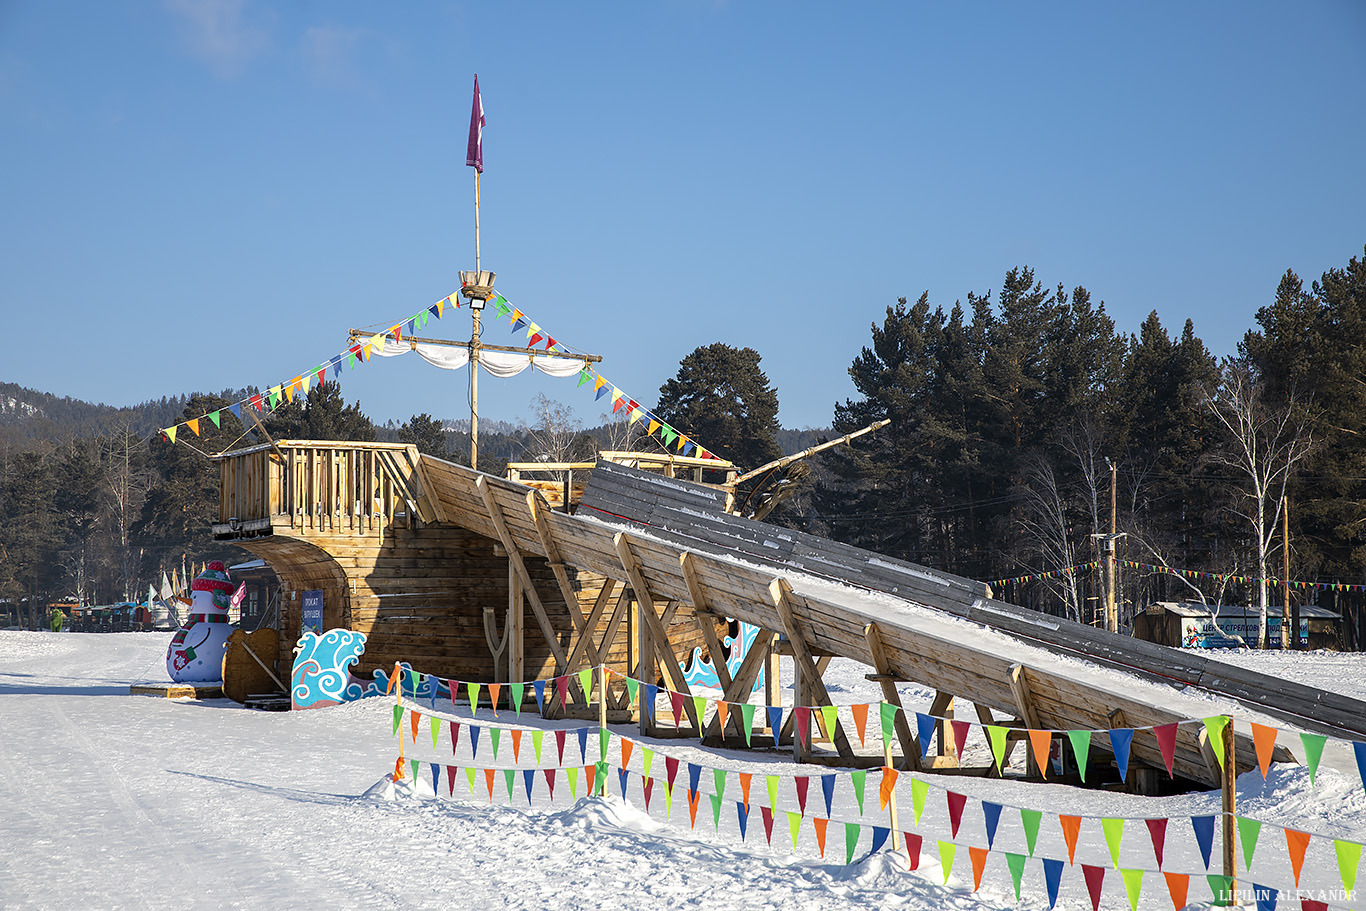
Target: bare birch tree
[1265,443]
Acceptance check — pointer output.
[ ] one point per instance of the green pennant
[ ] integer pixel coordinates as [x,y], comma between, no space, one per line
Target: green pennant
[502,307]
[830,715]
[572,773]
[586,684]
[469,776]
[494,735]
[214,416]
[1313,752]
[1221,887]
[601,781]
[996,736]
[1214,729]
[583,377]
[632,686]
[1029,819]
[274,398]
[413,766]
[747,715]
[719,781]
[666,433]
[852,831]
[947,850]
[604,736]
[1349,858]
[887,712]
[435,724]
[699,704]
[860,778]
[716,811]
[668,799]
[919,790]
[1114,834]
[794,826]
[647,757]
[1081,747]
[472,689]
[518,691]
[510,776]
[1133,885]
[771,782]
[398,714]
[1248,830]
[536,739]
[1016,864]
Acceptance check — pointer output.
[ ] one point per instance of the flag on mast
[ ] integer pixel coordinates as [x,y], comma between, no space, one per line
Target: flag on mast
[474,156]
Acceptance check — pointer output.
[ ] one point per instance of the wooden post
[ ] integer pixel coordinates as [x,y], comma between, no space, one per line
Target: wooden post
[1111,608]
[602,724]
[1286,638]
[1229,781]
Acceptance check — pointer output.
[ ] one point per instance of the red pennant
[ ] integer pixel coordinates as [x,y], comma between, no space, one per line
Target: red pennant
[1296,842]
[531,342]
[450,781]
[1157,829]
[562,689]
[801,716]
[671,764]
[1166,742]
[960,735]
[802,783]
[913,849]
[455,735]
[559,744]
[956,804]
[1094,877]
[768,823]
[820,825]
[979,862]
[1071,827]
[676,700]
[550,782]
[1177,886]
[1308,904]
[549,343]
[649,788]
[693,798]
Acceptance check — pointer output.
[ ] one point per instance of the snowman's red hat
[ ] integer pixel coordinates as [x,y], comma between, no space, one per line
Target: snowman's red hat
[214,578]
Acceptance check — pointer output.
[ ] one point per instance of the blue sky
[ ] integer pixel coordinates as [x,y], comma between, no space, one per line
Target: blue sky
[200,194]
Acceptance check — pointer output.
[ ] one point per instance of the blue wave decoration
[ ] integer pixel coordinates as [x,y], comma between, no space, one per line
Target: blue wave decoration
[701,672]
[321,674]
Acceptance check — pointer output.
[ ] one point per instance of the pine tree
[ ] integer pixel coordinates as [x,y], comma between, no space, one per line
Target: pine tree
[722,400]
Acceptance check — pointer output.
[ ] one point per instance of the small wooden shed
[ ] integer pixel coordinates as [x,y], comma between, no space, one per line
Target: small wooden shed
[1184,623]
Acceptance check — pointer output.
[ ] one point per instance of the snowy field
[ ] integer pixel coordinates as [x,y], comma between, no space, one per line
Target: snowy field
[115,801]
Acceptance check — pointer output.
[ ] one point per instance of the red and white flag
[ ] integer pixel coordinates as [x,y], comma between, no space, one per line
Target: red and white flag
[474,157]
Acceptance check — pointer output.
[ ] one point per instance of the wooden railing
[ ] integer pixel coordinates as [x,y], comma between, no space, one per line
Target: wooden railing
[310,485]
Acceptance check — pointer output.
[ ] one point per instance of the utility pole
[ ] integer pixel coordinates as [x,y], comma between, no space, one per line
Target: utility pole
[1286,638]
[1111,609]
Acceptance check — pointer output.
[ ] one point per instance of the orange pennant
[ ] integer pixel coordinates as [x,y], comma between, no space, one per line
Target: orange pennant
[413,719]
[1042,744]
[979,862]
[393,678]
[488,779]
[884,793]
[493,696]
[1071,827]
[1177,886]
[722,710]
[516,744]
[193,424]
[860,711]
[820,825]
[1264,737]
[626,747]
[398,768]
[745,779]
[589,773]
[694,798]
[1297,842]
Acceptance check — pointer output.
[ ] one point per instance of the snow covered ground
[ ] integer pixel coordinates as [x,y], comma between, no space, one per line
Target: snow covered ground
[115,801]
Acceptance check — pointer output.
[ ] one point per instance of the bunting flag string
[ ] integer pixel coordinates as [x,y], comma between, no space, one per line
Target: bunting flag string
[1191,574]
[352,357]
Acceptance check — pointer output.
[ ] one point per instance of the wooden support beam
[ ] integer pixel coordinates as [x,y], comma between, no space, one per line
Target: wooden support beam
[941,708]
[515,557]
[538,507]
[1024,703]
[742,684]
[910,749]
[781,592]
[583,641]
[659,636]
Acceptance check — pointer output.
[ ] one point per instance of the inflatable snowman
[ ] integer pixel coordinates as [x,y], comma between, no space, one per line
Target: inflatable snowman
[196,651]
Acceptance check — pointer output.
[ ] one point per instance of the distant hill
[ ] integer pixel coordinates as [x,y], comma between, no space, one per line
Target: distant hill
[28,415]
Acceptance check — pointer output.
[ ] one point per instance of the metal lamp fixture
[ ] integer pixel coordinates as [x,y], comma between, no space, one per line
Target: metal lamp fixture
[477,287]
